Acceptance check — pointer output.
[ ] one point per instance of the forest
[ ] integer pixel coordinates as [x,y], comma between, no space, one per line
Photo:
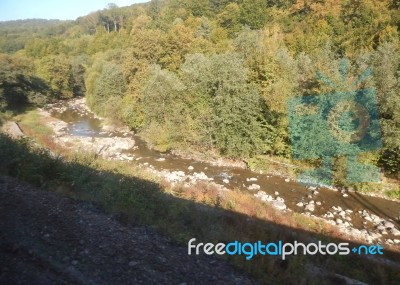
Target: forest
[208,75]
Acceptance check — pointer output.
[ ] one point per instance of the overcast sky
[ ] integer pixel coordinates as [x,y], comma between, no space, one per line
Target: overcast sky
[54,9]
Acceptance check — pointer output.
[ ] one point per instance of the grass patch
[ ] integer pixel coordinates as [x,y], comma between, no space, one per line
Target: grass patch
[32,121]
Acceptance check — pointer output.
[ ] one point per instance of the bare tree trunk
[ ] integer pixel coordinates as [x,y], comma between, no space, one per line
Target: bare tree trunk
[121,23]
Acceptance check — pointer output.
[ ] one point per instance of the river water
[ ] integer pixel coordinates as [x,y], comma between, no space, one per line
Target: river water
[85,124]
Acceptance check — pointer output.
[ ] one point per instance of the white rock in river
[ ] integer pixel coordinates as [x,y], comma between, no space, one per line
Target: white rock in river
[190,167]
[395,232]
[200,176]
[226,181]
[276,193]
[263,196]
[278,204]
[254,187]
[380,228]
[252,179]
[329,215]
[310,207]
[300,204]
[388,225]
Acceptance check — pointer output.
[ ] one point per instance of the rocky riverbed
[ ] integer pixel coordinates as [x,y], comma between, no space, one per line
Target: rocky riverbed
[352,213]
[109,145]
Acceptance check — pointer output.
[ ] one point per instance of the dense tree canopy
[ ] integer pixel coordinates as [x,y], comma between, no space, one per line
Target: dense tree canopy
[208,75]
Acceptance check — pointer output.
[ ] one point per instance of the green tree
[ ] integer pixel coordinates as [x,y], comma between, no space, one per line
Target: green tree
[19,88]
[229,18]
[253,13]
[56,70]
[164,109]
[106,86]
[385,63]
[238,127]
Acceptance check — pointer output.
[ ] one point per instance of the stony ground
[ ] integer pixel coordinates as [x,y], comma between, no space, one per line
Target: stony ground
[48,239]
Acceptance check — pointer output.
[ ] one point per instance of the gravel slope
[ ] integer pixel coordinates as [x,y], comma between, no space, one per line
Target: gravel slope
[48,239]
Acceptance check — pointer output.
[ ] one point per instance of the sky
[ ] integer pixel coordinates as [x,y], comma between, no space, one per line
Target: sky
[54,9]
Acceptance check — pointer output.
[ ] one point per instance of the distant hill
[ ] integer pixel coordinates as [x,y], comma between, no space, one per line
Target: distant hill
[14,34]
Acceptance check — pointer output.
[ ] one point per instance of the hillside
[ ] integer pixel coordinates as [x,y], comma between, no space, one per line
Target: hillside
[127,60]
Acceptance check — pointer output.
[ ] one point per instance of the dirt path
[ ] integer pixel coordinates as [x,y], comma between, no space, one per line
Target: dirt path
[48,239]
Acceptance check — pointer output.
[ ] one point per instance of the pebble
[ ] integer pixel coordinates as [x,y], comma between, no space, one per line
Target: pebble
[133,263]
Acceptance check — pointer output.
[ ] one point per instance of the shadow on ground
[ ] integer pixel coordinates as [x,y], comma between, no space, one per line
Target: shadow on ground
[74,242]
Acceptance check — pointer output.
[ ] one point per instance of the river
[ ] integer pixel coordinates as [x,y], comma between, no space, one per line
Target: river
[373,218]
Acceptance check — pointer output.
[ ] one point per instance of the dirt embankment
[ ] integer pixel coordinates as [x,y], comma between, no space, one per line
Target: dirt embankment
[48,239]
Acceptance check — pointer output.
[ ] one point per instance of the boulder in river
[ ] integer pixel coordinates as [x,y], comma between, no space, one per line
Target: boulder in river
[254,187]
[310,207]
[278,204]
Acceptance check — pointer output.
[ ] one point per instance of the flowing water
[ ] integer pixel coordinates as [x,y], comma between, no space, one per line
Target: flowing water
[292,192]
